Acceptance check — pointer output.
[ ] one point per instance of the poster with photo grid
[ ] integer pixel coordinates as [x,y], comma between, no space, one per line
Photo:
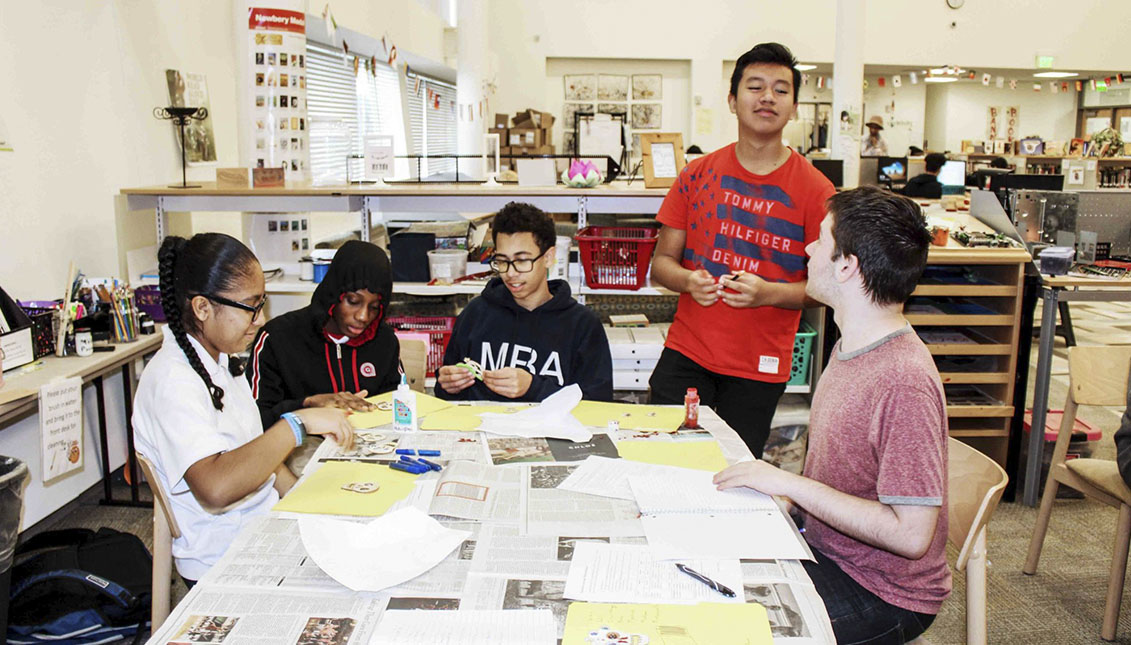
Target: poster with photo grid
[277,46]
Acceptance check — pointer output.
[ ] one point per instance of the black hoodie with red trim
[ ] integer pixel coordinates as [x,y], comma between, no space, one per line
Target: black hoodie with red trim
[293,357]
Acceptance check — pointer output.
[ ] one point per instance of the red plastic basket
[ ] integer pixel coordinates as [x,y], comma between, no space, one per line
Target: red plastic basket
[439,329]
[616,257]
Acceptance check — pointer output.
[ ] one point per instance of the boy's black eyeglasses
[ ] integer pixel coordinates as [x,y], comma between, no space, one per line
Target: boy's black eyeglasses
[521,265]
[239,305]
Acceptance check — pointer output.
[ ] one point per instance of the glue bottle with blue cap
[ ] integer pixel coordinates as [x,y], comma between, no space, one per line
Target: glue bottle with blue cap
[404,407]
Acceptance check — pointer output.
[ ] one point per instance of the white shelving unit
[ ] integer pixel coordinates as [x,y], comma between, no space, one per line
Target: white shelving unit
[419,202]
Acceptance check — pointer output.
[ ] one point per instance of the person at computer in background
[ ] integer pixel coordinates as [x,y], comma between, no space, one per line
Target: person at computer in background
[528,334]
[873,495]
[874,144]
[927,184]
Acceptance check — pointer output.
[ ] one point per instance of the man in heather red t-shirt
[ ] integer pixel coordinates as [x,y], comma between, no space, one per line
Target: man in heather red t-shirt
[735,226]
[873,494]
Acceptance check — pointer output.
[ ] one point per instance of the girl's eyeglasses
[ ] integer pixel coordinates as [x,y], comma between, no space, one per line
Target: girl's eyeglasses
[239,305]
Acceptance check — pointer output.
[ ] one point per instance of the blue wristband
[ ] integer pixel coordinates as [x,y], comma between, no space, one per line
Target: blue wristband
[297,426]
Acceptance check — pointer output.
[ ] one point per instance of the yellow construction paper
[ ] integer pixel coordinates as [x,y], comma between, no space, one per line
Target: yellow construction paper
[322,492]
[464,418]
[629,416]
[708,622]
[424,405]
[700,455]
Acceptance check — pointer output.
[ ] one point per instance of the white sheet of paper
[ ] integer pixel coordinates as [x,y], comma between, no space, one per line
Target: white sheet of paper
[627,573]
[608,477]
[685,490]
[372,556]
[551,419]
[466,627]
[759,535]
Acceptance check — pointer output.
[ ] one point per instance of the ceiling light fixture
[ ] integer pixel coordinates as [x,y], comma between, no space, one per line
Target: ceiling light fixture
[940,79]
[1055,74]
[804,67]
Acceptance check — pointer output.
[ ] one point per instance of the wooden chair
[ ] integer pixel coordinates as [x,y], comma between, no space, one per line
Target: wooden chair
[414,357]
[975,484]
[165,530]
[1097,376]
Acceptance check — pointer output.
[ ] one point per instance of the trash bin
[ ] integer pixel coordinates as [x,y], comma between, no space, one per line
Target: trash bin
[13,472]
[1080,446]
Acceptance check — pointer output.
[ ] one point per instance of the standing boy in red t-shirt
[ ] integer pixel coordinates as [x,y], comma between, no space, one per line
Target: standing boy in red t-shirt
[735,226]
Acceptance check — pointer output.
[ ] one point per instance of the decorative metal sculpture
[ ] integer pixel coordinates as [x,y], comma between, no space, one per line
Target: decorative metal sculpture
[180,117]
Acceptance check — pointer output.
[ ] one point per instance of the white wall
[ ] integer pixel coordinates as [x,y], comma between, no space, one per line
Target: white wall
[77,105]
[525,33]
[79,83]
[675,92]
[903,110]
[960,111]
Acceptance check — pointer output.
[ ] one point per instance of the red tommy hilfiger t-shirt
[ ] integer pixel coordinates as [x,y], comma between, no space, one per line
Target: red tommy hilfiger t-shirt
[738,221]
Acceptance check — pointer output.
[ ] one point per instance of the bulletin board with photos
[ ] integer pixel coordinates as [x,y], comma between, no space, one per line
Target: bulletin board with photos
[277,40]
[637,96]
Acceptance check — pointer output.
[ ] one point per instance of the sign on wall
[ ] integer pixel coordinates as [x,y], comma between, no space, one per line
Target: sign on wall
[60,426]
[279,128]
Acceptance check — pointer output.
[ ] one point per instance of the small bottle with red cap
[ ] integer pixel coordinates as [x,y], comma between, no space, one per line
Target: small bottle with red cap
[691,408]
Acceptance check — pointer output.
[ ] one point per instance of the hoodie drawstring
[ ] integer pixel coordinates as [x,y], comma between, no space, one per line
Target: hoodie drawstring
[356,385]
[330,369]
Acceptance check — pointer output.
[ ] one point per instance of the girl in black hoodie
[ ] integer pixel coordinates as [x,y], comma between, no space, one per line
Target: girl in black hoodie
[335,351]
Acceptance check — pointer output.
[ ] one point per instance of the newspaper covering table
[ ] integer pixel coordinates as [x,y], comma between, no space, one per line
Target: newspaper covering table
[266,589]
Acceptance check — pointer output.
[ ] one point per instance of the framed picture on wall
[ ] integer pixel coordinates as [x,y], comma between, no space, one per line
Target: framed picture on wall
[580,87]
[647,116]
[569,110]
[612,87]
[647,87]
[662,156]
[612,108]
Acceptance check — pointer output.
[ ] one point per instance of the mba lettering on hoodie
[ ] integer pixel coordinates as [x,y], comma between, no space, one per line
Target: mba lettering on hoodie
[521,356]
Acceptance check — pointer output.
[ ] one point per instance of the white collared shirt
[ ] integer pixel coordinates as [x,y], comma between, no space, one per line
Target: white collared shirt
[175,426]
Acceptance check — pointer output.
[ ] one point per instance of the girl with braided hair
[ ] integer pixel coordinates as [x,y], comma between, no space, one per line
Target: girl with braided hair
[197,421]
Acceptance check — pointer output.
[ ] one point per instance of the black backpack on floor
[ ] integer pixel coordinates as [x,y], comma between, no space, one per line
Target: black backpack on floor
[79,586]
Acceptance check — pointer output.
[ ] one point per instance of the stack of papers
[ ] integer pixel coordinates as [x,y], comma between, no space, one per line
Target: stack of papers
[627,573]
[685,516]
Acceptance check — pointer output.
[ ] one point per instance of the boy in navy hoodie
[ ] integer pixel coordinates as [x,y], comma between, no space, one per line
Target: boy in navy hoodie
[527,333]
[335,351]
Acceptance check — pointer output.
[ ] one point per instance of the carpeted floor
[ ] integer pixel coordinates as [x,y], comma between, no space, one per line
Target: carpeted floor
[1062,604]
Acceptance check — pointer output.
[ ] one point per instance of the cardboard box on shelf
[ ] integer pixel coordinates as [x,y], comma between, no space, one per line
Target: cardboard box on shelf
[500,122]
[502,132]
[533,119]
[528,137]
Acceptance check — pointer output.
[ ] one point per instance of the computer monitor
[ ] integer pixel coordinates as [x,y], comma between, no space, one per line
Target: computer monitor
[952,176]
[953,173]
[1000,183]
[892,169]
[833,169]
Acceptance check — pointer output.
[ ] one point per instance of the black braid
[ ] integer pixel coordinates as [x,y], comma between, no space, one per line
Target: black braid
[171,303]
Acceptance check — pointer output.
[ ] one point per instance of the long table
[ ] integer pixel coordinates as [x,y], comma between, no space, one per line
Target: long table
[20,395]
[267,590]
